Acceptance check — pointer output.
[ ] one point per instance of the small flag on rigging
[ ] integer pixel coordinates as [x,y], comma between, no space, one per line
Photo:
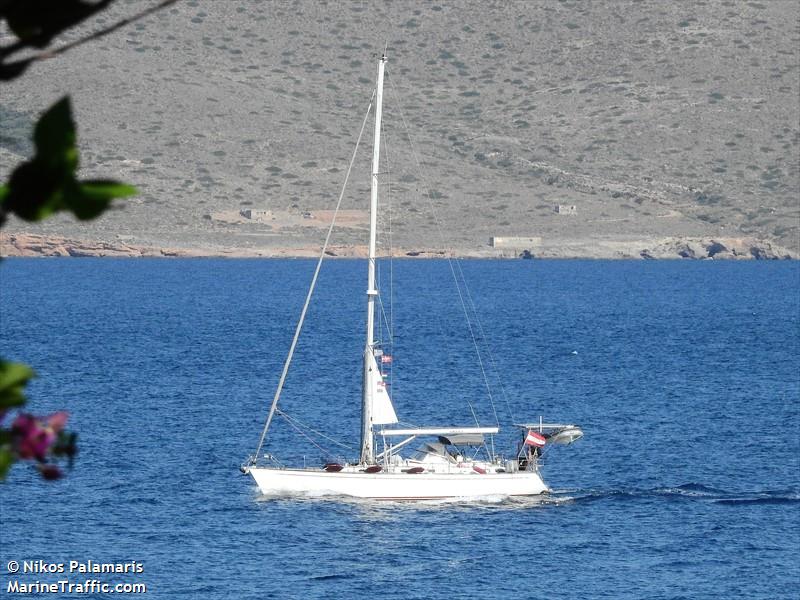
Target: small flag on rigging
[535,439]
[386,359]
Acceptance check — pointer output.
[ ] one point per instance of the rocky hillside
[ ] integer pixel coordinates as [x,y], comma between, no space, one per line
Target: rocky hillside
[667,126]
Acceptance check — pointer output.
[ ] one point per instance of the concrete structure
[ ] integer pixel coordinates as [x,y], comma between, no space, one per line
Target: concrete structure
[514,242]
[566,209]
[256,214]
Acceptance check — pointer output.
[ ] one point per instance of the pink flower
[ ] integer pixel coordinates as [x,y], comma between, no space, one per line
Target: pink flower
[33,438]
[56,421]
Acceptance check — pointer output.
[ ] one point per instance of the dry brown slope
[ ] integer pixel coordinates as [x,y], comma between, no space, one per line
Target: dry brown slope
[654,119]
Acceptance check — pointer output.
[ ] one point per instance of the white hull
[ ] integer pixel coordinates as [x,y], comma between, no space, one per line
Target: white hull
[397,486]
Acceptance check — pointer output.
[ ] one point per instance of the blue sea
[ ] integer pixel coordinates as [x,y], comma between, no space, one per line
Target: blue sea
[683,375]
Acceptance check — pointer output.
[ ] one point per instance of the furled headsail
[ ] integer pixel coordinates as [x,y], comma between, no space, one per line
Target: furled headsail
[382,408]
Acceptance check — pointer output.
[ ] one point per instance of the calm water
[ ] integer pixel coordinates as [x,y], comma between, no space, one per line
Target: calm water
[684,376]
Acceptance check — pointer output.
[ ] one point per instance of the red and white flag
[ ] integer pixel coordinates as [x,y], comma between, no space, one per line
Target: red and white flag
[535,439]
[386,359]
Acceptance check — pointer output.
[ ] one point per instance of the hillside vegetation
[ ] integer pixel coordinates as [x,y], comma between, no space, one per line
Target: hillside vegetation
[660,122]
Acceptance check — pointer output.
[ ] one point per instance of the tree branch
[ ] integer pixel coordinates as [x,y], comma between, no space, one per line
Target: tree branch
[11,70]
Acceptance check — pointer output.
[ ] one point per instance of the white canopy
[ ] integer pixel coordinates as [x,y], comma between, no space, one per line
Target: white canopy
[542,425]
[438,431]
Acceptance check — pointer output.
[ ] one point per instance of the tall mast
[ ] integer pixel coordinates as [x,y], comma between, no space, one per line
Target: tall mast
[367,444]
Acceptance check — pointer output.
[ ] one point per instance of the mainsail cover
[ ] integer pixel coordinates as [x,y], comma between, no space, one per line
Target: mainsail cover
[382,408]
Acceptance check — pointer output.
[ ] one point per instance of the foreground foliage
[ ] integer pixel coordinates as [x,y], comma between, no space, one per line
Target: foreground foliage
[45,184]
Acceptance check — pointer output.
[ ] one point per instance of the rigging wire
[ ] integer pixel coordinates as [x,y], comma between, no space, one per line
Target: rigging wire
[388,319]
[311,429]
[492,363]
[305,435]
[299,327]
[389,197]
[449,262]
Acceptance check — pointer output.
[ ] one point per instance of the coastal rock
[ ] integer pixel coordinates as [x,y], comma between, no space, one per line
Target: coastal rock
[686,252]
[767,252]
[671,138]
[714,249]
[717,249]
[24,244]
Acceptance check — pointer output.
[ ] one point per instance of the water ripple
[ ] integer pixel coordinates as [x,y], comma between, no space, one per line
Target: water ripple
[687,492]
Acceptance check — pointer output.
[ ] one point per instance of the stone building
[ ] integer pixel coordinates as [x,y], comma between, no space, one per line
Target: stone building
[565,209]
[514,242]
[256,214]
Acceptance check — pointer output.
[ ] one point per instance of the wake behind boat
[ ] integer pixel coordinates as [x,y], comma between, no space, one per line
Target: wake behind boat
[448,462]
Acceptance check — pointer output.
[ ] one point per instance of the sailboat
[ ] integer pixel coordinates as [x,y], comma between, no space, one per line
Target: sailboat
[448,462]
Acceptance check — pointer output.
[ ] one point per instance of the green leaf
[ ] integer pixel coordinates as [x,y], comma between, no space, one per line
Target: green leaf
[13,379]
[33,191]
[107,189]
[81,206]
[46,184]
[88,200]
[54,137]
[12,70]
[91,198]
[6,460]
[66,445]
[37,22]
[19,22]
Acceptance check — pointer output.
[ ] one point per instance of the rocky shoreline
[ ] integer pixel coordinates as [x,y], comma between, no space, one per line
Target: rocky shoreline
[33,245]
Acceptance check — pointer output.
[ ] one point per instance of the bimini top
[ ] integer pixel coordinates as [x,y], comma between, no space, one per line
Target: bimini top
[542,425]
[448,432]
[462,439]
